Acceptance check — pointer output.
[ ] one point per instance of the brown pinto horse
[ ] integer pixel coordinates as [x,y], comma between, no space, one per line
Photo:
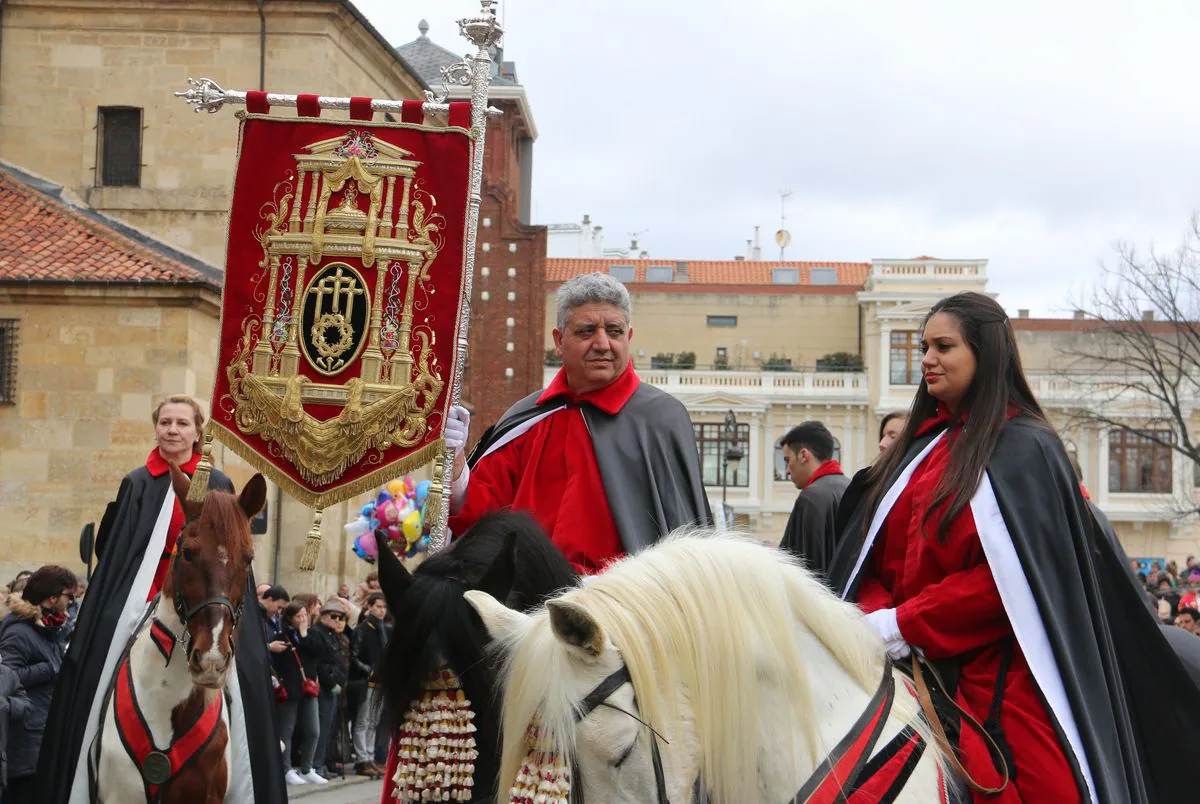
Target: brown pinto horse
[165,736]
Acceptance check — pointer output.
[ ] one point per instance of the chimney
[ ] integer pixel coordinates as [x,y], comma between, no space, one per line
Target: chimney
[598,241]
[749,249]
[756,252]
[1147,315]
[1022,314]
[587,219]
[739,258]
[1079,315]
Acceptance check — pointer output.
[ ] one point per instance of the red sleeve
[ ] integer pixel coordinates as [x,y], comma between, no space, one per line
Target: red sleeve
[961,612]
[871,594]
[491,487]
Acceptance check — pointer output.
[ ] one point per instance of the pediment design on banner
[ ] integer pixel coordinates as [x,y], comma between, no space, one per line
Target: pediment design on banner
[337,361]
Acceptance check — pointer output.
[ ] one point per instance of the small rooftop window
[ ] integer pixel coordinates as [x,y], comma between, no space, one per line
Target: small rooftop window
[785,276]
[622,273]
[660,273]
[823,276]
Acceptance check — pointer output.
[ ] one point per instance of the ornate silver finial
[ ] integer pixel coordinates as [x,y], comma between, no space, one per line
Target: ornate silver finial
[423,27]
[205,94]
[483,31]
[458,73]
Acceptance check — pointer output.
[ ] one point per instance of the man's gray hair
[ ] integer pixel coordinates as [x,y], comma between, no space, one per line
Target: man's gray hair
[593,288]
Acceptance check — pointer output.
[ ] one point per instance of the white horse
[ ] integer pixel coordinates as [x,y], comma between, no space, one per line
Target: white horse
[166,727]
[715,664]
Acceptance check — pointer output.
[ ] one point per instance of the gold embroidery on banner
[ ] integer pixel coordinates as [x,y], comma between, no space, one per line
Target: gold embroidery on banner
[336,314]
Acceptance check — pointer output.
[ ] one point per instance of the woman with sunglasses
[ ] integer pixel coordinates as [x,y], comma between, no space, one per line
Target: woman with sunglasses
[333,665]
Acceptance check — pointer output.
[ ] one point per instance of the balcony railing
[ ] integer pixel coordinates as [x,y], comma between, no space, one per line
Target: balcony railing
[848,386]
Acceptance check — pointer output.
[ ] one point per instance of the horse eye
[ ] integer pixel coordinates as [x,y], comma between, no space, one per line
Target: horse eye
[625,754]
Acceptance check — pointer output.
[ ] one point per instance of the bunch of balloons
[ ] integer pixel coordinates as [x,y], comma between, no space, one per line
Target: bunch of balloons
[398,513]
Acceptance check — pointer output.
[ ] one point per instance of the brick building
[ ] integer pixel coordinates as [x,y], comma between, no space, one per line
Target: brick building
[505,354]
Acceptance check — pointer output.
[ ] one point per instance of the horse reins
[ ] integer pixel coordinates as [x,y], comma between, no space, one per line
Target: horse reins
[843,771]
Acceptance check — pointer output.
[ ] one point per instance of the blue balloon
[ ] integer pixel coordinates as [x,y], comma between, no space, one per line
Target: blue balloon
[423,490]
[384,496]
[368,509]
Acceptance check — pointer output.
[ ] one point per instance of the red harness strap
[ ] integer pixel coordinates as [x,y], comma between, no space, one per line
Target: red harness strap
[853,773]
[159,767]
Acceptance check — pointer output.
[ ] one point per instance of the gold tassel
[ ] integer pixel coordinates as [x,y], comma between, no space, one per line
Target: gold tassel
[199,485]
[312,544]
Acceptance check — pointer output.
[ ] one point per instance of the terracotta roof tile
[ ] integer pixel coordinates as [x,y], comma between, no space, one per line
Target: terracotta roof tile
[713,272]
[44,238]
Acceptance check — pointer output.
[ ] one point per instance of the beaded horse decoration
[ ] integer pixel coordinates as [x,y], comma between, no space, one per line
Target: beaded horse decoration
[438,673]
[437,749]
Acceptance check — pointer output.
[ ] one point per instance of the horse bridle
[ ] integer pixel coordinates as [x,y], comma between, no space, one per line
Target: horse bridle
[599,697]
[185,613]
[835,778]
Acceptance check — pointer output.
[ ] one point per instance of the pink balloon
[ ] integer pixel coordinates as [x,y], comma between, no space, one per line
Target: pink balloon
[366,543]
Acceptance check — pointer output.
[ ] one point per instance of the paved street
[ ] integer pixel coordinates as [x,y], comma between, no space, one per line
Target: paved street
[351,791]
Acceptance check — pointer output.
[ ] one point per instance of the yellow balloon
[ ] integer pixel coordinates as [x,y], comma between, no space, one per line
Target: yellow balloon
[412,527]
[395,487]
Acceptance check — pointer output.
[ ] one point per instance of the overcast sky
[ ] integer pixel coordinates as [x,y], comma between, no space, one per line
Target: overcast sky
[1035,134]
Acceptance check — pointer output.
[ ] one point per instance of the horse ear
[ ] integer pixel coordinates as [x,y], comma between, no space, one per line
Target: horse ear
[253,496]
[500,621]
[498,579]
[574,625]
[181,483]
[394,577]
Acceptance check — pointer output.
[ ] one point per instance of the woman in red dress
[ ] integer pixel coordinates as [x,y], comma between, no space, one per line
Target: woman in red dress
[924,577]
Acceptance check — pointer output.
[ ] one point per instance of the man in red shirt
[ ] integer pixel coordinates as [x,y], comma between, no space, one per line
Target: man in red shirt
[606,464]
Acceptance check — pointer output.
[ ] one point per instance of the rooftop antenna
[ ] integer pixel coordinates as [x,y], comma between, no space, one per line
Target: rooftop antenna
[633,241]
[783,238]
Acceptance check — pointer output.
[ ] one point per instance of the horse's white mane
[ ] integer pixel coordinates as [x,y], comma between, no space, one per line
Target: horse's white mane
[703,617]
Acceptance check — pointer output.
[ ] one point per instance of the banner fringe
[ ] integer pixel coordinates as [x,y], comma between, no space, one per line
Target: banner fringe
[337,494]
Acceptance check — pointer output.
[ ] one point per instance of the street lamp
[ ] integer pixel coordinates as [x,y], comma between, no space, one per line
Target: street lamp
[732,460]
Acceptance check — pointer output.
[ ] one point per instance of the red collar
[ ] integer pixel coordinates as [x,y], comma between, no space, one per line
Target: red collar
[158,465]
[160,767]
[943,416]
[827,468]
[610,399]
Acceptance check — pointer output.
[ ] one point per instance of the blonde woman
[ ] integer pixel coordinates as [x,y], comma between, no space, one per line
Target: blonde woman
[134,546]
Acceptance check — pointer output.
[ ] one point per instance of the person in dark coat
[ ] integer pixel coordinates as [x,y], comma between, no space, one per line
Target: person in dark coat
[33,646]
[890,428]
[810,532]
[332,672]
[134,547]
[298,717]
[605,463]
[15,707]
[370,637]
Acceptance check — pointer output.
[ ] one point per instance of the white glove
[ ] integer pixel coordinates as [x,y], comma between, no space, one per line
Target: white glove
[457,425]
[885,625]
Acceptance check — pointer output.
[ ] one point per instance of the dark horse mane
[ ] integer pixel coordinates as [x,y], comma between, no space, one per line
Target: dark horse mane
[505,554]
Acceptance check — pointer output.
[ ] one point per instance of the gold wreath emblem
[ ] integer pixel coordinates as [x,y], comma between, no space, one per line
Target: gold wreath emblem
[345,335]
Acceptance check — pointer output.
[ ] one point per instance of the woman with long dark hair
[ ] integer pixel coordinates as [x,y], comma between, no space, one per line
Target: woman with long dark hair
[975,549]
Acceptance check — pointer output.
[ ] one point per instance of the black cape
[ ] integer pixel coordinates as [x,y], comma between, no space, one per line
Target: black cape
[647,457]
[811,531]
[1136,709]
[122,540]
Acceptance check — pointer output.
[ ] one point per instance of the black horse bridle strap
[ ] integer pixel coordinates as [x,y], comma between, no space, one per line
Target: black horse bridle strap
[599,697]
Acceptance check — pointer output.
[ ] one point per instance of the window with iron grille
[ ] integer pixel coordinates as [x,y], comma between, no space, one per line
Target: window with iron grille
[119,146]
[1137,464]
[8,361]
[712,443]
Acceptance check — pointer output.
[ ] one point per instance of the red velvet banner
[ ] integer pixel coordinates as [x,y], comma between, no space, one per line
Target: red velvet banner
[344,278]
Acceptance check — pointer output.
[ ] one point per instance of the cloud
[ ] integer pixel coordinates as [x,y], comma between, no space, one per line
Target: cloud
[1033,134]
